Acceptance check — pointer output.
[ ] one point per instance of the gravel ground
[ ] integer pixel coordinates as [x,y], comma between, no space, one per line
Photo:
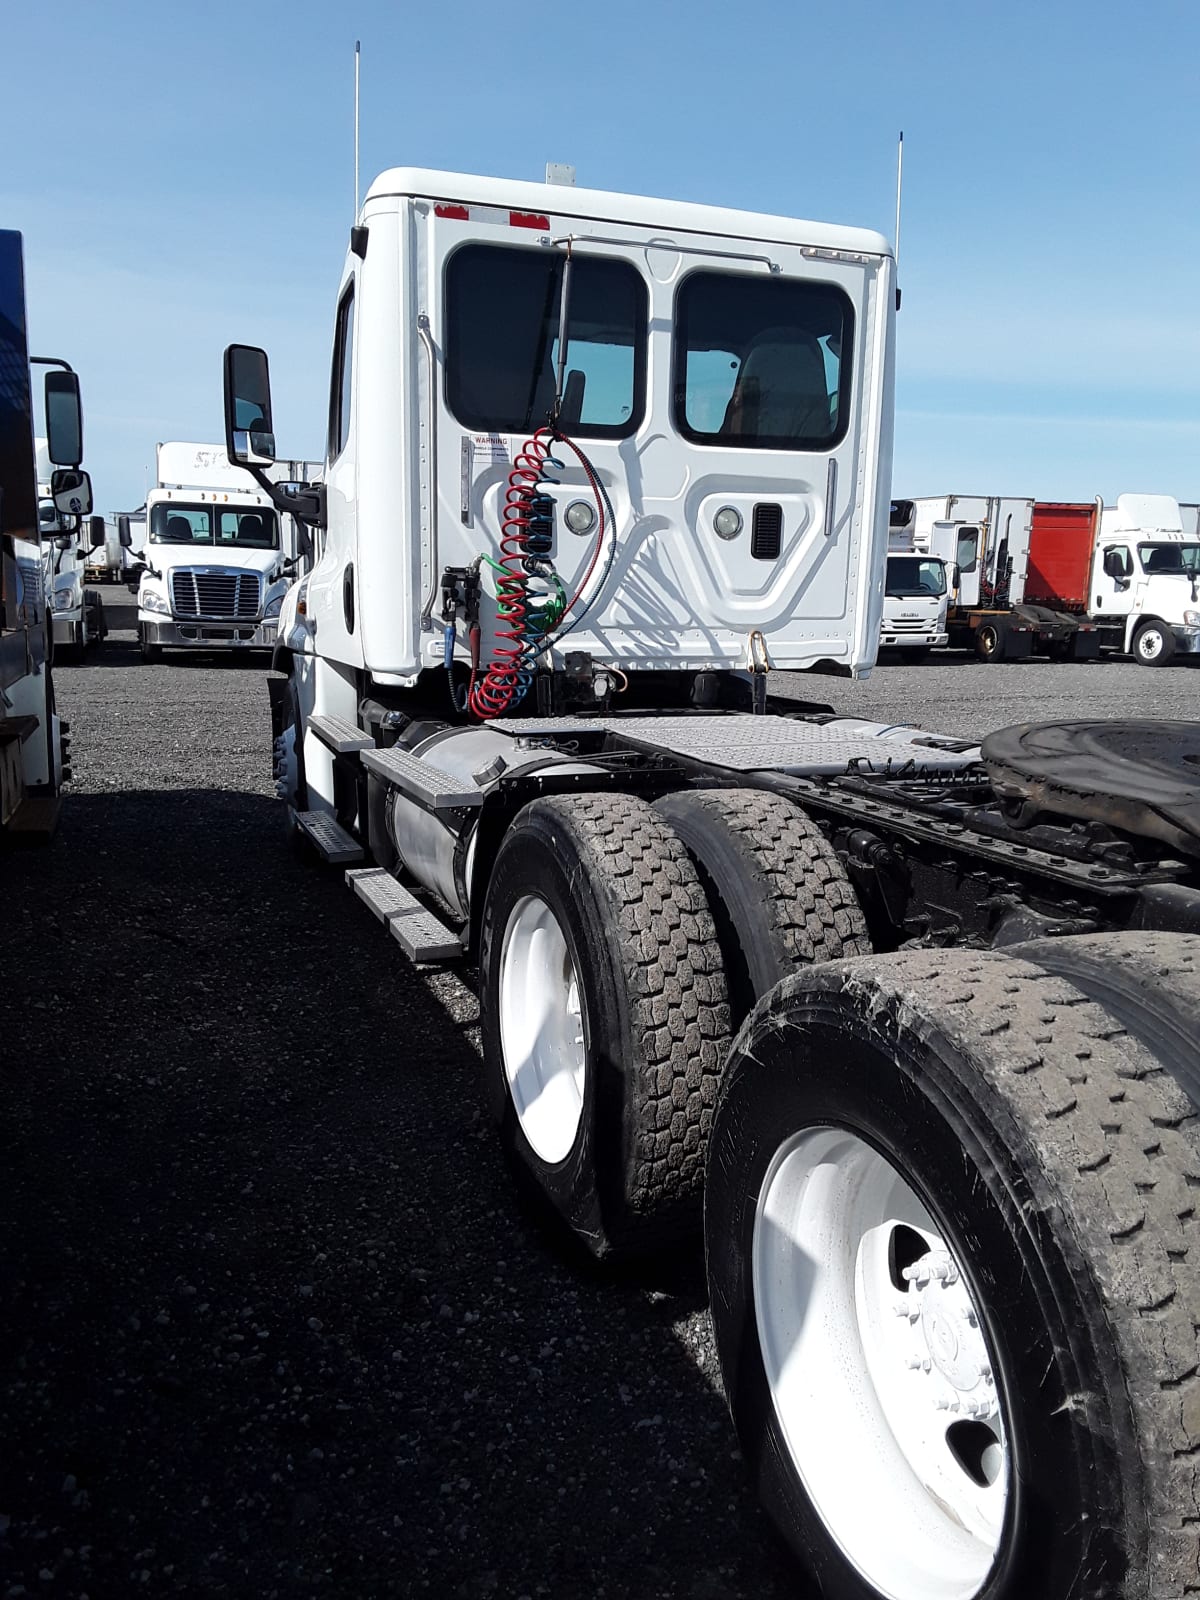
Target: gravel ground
[272,1320]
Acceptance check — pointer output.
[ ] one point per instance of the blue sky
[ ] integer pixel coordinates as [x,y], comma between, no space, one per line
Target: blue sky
[184,177]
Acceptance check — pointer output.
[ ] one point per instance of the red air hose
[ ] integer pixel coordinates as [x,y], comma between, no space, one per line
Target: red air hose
[509,672]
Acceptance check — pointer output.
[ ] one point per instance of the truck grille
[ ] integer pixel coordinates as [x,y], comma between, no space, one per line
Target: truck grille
[910,625]
[228,596]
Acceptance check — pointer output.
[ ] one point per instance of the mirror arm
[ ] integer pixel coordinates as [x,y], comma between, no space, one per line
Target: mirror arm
[308,506]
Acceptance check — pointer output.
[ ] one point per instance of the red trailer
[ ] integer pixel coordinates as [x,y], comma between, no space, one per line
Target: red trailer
[1061,541]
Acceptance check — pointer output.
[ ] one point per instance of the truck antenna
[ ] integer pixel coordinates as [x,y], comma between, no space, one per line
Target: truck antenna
[357,53]
[899,186]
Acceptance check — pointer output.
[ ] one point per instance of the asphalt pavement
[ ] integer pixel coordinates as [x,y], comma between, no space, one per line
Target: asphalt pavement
[272,1320]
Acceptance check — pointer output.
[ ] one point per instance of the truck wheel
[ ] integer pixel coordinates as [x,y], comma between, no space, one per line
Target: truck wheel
[1153,645]
[287,762]
[1150,982]
[948,1215]
[778,892]
[989,642]
[604,1017]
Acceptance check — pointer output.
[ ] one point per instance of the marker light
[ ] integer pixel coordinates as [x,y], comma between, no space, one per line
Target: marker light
[580,516]
[728,522]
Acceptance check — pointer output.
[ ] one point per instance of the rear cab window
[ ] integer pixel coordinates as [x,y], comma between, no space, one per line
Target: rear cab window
[502,341]
[762,363]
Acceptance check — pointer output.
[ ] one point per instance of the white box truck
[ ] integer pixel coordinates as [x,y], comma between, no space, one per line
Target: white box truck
[596,463]
[916,593]
[217,556]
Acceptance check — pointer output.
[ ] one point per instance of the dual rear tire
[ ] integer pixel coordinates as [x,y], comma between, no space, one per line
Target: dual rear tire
[621,945]
[949,1196]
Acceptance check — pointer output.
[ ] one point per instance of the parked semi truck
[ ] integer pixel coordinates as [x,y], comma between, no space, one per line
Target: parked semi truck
[1131,570]
[33,738]
[68,538]
[915,1017]
[916,593]
[216,559]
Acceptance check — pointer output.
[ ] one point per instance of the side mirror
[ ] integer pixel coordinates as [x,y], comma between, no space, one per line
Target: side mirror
[70,488]
[96,532]
[64,419]
[249,429]
[1114,563]
[955,575]
[123,533]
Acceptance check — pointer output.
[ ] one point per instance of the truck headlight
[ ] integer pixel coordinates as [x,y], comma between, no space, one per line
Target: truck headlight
[64,599]
[150,601]
[274,607]
[1191,619]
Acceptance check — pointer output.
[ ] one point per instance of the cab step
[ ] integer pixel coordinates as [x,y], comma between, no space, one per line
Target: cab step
[332,841]
[419,933]
[428,786]
[343,738]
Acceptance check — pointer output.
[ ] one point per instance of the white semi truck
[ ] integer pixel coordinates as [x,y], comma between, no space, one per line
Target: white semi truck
[68,538]
[34,740]
[916,1018]
[216,558]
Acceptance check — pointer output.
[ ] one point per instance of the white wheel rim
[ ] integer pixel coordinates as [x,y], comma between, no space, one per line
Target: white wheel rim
[1150,644]
[868,1381]
[541,1029]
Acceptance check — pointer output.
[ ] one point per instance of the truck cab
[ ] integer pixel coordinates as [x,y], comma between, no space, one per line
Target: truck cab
[1146,572]
[68,538]
[916,592]
[215,569]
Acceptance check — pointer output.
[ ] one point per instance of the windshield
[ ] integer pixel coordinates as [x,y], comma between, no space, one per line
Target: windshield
[909,576]
[237,527]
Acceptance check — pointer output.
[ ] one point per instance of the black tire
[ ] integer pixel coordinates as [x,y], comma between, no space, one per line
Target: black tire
[150,652]
[1061,1167]
[1153,645]
[778,892]
[655,1017]
[297,799]
[1150,982]
[990,641]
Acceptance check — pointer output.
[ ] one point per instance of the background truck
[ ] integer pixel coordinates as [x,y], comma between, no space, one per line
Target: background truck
[596,463]
[985,539]
[1130,568]
[33,739]
[108,558]
[217,557]
[68,538]
[916,594]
